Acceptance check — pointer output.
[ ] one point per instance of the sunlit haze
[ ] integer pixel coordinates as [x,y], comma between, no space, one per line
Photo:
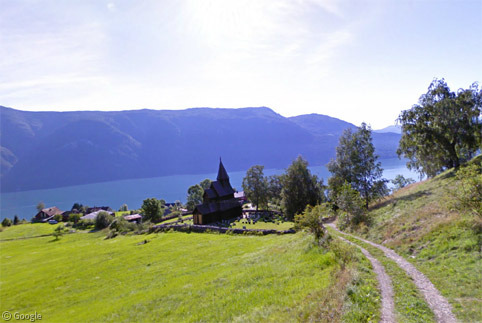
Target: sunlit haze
[354,60]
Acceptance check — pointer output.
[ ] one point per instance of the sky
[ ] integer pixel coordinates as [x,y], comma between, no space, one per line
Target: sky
[360,61]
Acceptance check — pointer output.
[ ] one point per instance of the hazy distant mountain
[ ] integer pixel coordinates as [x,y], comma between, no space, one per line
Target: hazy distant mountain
[394,129]
[53,149]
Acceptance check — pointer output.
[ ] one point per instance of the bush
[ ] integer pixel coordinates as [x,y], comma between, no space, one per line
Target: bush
[311,219]
[6,222]
[103,220]
[58,232]
[467,195]
[58,217]
[120,224]
[84,224]
[74,217]
[344,252]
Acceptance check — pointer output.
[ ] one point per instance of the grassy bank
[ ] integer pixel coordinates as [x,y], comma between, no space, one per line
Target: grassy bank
[420,223]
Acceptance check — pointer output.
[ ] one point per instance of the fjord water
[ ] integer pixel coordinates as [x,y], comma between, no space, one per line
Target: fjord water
[132,192]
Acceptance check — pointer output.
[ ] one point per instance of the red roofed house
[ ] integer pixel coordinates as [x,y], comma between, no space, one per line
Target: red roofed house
[47,214]
[218,201]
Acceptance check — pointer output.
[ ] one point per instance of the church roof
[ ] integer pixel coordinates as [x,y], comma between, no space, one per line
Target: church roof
[219,206]
[222,190]
[222,174]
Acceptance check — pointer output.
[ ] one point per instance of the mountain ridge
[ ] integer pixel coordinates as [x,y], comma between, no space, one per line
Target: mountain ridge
[53,149]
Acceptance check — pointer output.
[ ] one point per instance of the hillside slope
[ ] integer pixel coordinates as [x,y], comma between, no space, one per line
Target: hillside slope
[53,149]
[421,223]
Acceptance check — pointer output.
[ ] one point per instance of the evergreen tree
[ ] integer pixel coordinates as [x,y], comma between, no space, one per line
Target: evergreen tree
[15,220]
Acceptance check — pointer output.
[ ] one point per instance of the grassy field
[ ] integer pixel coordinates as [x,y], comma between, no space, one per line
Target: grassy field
[27,231]
[174,277]
[445,244]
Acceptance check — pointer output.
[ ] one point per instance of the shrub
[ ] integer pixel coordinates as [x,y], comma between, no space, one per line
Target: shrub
[74,217]
[85,224]
[58,232]
[58,217]
[103,220]
[6,222]
[467,195]
[344,252]
[120,224]
[311,219]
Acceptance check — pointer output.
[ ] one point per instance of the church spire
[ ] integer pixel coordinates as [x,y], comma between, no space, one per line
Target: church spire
[222,174]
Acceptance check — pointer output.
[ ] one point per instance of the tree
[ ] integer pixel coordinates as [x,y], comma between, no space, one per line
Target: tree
[124,207]
[443,130]
[74,217]
[103,220]
[400,182]
[76,206]
[205,184]
[58,232]
[350,204]
[15,220]
[274,188]
[356,163]
[40,206]
[300,188]
[6,222]
[152,209]
[194,196]
[255,186]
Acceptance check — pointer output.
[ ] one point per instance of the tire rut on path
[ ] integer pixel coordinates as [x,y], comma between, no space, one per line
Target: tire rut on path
[437,303]
[384,284]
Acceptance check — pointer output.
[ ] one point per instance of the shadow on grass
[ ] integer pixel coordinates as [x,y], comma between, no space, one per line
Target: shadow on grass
[406,198]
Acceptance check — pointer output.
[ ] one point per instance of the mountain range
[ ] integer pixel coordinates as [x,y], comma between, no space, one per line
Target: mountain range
[40,150]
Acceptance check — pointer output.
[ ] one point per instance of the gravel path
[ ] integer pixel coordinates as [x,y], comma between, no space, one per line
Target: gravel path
[437,303]
[384,284]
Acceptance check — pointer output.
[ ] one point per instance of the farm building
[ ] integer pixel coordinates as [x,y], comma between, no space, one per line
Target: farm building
[218,201]
[47,214]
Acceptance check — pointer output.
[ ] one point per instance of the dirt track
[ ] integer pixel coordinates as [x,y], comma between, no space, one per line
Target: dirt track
[437,303]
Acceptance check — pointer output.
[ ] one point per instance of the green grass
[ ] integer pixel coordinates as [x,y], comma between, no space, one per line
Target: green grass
[277,225]
[444,244]
[410,305]
[27,230]
[174,277]
[352,295]
[177,219]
